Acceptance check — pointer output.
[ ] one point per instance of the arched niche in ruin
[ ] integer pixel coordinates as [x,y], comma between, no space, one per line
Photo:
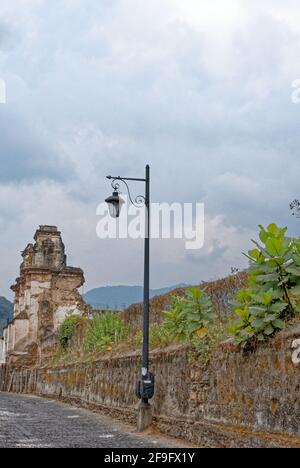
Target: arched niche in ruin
[48,252]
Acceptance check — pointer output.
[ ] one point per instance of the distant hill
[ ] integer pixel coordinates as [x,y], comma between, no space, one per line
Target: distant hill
[120,297]
[6,312]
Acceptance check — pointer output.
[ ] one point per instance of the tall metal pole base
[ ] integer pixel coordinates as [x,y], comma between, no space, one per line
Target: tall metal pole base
[144,417]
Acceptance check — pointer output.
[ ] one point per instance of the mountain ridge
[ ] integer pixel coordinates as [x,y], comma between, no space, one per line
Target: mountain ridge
[6,312]
[122,296]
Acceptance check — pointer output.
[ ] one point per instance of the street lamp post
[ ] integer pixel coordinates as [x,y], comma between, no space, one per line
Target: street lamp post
[145,386]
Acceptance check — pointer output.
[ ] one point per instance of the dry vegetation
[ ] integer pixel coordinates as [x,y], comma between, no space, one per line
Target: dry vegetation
[80,339]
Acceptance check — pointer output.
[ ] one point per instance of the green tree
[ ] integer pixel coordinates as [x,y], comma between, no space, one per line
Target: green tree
[274,287]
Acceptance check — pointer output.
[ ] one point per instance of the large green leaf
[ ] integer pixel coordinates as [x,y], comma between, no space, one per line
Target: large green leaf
[275,263]
[254,253]
[258,324]
[257,311]
[269,330]
[235,327]
[273,229]
[278,307]
[275,247]
[261,337]
[294,271]
[296,290]
[263,235]
[195,293]
[242,313]
[278,324]
[271,277]
[269,318]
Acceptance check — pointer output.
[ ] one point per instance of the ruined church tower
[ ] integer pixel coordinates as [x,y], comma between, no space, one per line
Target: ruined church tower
[46,292]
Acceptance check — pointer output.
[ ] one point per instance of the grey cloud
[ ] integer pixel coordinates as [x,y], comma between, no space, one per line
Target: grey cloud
[213,256]
[25,155]
[9,37]
[134,91]
[4,35]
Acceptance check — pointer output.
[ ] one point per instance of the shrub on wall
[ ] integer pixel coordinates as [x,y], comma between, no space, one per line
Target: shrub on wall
[189,315]
[273,294]
[67,330]
[104,331]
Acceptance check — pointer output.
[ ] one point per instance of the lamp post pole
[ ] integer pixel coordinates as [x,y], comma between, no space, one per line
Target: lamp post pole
[146,318]
[145,387]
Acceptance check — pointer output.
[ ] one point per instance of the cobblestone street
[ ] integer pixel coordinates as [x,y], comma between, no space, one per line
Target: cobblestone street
[33,422]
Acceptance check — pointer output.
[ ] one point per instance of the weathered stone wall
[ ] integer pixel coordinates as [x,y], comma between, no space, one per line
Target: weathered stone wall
[21,330]
[46,292]
[2,350]
[238,400]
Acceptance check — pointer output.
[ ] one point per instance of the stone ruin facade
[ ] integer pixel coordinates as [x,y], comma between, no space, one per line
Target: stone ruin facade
[46,292]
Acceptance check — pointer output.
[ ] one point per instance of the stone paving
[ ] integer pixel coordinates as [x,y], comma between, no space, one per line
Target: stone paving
[32,422]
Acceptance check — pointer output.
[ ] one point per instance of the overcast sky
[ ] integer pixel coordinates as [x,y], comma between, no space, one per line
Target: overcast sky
[199,90]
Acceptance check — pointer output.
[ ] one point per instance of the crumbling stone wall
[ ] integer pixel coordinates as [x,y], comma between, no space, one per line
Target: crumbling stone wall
[46,292]
[238,400]
[2,351]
